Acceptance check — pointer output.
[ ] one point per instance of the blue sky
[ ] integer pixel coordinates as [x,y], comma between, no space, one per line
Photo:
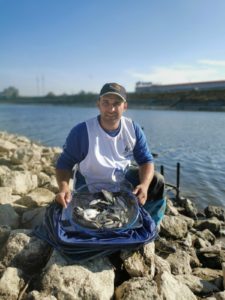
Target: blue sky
[73,45]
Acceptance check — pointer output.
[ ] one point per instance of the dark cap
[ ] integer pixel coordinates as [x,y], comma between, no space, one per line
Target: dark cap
[114,88]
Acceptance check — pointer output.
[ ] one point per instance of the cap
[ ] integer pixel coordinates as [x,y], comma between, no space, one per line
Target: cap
[114,88]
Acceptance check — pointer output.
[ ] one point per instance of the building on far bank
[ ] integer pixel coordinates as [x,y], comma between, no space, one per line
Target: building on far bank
[149,87]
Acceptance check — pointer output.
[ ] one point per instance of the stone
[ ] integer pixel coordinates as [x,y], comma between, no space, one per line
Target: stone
[37,197]
[223,269]
[35,295]
[172,289]
[140,263]
[213,224]
[93,279]
[6,146]
[207,273]
[190,208]
[161,265]
[5,195]
[215,211]
[179,262]
[137,288]
[21,182]
[198,285]
[32,218]
[11,283]
[4,234]
[25,251]
[174,227]
[8,216]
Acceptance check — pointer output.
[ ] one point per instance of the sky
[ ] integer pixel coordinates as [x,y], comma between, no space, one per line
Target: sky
[69,46]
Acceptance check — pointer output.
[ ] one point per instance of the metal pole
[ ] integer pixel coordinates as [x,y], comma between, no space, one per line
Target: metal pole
[178,180]
[162,170]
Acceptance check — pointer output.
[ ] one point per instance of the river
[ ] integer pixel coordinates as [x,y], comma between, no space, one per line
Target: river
[194,139]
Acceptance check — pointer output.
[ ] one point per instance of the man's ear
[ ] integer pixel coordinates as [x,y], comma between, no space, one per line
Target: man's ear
[125,105]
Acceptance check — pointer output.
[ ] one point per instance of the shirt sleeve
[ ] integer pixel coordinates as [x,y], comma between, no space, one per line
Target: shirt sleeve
[75,148]
[141,152]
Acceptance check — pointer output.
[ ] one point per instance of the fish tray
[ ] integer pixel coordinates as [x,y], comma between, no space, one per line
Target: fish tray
[125,208]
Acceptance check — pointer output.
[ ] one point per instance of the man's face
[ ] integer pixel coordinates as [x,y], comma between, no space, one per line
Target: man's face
[111,107]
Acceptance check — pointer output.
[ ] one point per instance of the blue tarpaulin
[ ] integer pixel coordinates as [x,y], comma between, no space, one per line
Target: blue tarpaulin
[80,244]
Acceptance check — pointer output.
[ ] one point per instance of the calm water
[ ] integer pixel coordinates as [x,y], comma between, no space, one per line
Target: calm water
[195,139]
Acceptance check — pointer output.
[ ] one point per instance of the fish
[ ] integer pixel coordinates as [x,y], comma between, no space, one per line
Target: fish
[102,210]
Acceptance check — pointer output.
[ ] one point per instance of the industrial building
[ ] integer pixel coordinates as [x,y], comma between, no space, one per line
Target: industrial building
[149,87]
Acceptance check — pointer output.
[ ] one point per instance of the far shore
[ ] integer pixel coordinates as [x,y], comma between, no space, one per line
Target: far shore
[213,100]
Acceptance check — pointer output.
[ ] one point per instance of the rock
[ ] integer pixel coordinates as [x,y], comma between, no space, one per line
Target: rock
[174,227]
[161,265]
[170,209]
[207,273]
[8,216]
[95,280]
[32,218]
[215,211]
[10,284]
[197,285]
[4,234]
[179,262]
[213,224]
[6,146]
[38,197]
[171,288]
[137,288]
[223,269]
[140,263]
[21,182]
[5,195]
[35,295]
[212,257]
[25,251]
[190,208]
[26,155]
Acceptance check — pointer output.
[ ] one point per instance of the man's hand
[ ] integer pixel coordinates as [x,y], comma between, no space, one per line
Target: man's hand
[63,198]
[141,191]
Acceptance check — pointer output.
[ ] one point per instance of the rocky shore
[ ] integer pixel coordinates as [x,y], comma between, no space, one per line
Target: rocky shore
[31,270]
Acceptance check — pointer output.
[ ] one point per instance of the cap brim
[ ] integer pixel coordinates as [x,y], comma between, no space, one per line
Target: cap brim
[114,93]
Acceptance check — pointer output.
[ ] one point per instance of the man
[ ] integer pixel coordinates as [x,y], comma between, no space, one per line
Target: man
[103,149]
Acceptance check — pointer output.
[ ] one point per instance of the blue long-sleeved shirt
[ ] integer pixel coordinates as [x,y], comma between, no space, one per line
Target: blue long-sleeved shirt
[76,147]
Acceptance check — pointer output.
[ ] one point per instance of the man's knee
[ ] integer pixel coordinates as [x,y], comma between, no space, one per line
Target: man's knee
[157,187]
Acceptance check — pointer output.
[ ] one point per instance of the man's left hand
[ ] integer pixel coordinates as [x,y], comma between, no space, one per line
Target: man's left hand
[141,191]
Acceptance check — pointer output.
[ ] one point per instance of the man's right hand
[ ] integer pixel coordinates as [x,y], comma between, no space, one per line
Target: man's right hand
[63,198]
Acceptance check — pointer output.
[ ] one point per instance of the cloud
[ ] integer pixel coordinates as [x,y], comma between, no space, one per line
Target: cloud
[203,70]
[210,62]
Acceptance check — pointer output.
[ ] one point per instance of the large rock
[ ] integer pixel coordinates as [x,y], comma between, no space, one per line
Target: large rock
[4,234]
[198,285]
[32,218]
[5,195]
[140,263]
[91,280]
[215,211]
[25,251]
[35,295]
[174,227]
[38,197]
[20,182]
[6,146]
[26,155]
[213,224]
[179,262]
[172,289]
[138,288]
[10,284]
[8,216]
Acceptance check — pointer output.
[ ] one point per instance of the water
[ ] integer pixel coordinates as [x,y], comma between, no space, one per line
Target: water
[195,139]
